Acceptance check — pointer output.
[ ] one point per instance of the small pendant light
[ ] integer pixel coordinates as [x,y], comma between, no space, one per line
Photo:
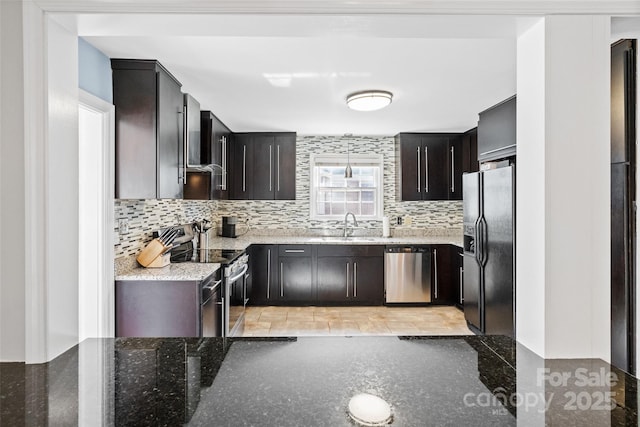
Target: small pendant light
[348,173]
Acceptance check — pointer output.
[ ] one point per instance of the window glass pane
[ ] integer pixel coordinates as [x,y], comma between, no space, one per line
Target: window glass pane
[337,196]
[353,196]
[368,196]
[337,209]
[353,207]
[368,209]
[333,195]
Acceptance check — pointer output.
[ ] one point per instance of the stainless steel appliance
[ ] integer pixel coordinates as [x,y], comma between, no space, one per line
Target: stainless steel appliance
[211,307]
[229,226]
[235,297]
[234,289]
[407,274]
[489,274]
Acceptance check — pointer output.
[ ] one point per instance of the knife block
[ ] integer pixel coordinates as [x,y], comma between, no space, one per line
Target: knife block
[161,261]
[151,253]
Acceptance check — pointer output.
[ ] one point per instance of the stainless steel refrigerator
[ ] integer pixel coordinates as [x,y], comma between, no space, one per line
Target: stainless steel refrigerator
[489,257]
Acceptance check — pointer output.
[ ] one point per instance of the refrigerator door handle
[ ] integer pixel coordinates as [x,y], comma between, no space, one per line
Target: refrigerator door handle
[478,242]
[483,238]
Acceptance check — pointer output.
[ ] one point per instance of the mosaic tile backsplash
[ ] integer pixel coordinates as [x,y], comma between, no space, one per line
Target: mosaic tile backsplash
[292,216]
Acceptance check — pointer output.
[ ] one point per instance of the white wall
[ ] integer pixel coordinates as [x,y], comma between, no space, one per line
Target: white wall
[61,237]
[12,186]
[569,242]
[530,178]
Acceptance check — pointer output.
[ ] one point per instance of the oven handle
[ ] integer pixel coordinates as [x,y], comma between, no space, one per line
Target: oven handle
[239,275]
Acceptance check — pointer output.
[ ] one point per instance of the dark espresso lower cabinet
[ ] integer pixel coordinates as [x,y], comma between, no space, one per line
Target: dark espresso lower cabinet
[263,261]
[339,274]
[295,279]
[350,274]
[334,279]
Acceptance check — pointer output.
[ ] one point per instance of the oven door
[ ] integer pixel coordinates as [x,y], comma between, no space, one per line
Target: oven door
[235,300]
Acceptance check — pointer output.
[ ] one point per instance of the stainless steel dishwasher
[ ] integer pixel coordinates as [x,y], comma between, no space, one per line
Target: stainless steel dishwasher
[407,274]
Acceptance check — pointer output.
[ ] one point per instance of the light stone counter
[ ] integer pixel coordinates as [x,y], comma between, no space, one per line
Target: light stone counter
[128,269]
[244,242]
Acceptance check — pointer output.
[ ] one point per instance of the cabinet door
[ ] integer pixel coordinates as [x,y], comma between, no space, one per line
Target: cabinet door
[171,172]
[470,151]
[242,167]
[263,263]
[497,131]
[456,153]
[215,144]
[285,166]
[444,280]
[457,273]
[295,280]
[368,280]
[134,95]
[263,170]
[622,100]
[410,166]
[436,167]
[334,279]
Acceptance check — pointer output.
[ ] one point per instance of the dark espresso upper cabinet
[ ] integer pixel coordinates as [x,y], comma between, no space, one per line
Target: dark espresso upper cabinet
[149,131]
[263,166]
[497,131]
[216,140]
[430,166]
[623,99]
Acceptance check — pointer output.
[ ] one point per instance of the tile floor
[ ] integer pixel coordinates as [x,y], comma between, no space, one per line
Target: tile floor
[272,321]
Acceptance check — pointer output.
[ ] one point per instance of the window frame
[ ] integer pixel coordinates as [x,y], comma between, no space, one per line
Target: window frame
[340,160]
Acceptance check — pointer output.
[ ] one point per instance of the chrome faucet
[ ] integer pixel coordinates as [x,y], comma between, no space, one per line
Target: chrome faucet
[349,231]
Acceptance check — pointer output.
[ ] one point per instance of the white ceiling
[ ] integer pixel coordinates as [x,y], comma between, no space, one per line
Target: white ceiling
[293,72]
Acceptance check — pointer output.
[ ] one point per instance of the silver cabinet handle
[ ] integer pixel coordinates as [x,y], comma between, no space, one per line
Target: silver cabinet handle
[268,273]
[185,139]
[347,277]
[461,279]
[435,271]
[418,174]
[212,285]
[182,165]
[294,251]
[355,279]
[278,169]
[453,171]
[224,163]
[426,170]
[244,168]
[270,167]
[281,281]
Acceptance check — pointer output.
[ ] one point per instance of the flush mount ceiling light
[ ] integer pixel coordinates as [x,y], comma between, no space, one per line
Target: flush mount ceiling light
[369,100]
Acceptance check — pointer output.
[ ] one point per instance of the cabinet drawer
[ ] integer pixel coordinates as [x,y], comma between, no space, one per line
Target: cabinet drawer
[294,250]
[350,250]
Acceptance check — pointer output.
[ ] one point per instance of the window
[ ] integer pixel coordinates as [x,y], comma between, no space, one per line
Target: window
[333,195]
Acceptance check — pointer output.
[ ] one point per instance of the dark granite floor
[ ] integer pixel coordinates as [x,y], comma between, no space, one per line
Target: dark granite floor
[443,381]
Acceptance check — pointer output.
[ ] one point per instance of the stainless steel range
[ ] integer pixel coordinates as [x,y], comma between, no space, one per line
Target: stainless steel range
[235,295]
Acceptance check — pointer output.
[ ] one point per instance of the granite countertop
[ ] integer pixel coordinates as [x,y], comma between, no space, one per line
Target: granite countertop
[244,242]
[309,381]
[126,268]
[188,271]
